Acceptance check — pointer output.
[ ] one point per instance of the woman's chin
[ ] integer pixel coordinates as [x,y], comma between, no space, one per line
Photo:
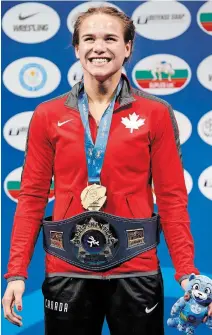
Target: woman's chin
[102,75]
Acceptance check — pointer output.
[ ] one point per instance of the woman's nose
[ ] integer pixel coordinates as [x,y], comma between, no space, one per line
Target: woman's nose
[99,46]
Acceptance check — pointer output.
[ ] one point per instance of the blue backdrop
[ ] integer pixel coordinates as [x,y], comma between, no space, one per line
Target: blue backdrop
[187,35]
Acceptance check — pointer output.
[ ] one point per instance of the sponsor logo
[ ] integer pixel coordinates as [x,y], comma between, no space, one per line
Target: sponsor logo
[204,17]
[205,182]
[72,17]
[149,310]
[161,20]
[62,123]
[26,17]
[184,125]
[31,22]
[12,185]
[161,74]
[204,127]
[16,129]
[204,72]
[188,183]
[56,305]
[75,73]
[31,77]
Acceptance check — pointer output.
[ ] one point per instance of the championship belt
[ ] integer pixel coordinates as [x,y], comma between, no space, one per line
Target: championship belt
[94,240]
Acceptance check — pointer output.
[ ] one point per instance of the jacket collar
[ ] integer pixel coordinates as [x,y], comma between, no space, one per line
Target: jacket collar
[125,97]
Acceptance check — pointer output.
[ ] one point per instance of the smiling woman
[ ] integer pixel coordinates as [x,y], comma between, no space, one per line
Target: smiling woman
[103,142]
[103,39]
[127,26]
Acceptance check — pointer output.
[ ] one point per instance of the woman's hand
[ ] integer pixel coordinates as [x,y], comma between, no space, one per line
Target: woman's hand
[13,298]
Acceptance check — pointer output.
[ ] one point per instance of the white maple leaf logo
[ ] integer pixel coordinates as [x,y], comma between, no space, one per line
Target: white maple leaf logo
[132,122]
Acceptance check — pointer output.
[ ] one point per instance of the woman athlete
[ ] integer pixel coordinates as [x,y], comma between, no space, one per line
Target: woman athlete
[104,142]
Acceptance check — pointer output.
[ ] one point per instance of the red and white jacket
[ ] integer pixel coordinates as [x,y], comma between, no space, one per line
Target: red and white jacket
[55,147]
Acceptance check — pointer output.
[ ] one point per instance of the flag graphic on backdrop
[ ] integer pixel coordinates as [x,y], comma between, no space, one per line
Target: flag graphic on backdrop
[161,74]
[13,188]
[206,21]
[12,185]
[145,79]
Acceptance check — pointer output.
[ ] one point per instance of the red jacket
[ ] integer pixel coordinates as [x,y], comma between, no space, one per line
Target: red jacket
[133,157]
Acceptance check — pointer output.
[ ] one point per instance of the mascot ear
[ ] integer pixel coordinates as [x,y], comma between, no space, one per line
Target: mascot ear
[192,276]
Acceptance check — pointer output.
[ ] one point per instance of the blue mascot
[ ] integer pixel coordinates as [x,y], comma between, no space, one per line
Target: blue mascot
[189,311]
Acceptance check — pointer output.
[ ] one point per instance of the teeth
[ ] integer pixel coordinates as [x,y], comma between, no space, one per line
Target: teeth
[99,60]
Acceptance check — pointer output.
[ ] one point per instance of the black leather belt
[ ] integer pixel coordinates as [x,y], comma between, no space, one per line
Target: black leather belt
[98,241]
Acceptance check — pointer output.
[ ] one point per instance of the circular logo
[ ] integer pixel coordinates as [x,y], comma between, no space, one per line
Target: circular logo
[12,185]
[205,182]
[16,129]
[204,72]
[93,241]
[30,22]
[185,127]
[204,17]
[72,17]
[188,183]
[161,20]
[31,77]
[75,73]
[161,74]
[204,127]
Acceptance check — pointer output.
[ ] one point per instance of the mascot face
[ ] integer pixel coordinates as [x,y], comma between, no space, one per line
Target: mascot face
[200,288]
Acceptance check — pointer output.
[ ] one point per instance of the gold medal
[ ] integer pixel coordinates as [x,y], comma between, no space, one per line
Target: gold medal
[93,197]
[95,206]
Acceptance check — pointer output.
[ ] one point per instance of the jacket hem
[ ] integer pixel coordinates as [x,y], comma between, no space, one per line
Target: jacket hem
[96,276]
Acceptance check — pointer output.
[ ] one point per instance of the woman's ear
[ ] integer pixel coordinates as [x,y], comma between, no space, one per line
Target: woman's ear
[77,52]
[128,48]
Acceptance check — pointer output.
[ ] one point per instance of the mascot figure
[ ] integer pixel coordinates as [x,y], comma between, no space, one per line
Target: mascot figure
[192,309]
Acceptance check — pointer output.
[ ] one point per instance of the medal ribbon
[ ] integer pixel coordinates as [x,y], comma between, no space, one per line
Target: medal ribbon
[95,153]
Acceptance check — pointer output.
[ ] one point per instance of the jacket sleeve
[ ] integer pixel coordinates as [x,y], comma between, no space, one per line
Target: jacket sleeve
[171,193]
[33,197]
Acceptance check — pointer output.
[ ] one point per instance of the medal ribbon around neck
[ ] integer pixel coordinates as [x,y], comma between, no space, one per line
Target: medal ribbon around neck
[95,153]
[93,196]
